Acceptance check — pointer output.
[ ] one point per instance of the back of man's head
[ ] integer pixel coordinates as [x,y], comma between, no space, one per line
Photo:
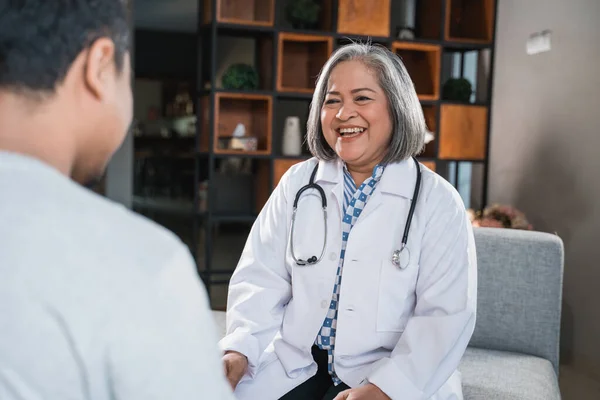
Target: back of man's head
[65,92]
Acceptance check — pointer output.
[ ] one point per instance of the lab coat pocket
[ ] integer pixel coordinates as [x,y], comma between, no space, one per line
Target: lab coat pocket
[396,296]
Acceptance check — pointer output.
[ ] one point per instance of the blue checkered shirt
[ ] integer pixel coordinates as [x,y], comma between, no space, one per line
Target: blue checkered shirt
[354,202]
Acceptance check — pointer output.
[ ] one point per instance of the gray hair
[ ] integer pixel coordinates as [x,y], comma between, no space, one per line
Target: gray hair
[408,122]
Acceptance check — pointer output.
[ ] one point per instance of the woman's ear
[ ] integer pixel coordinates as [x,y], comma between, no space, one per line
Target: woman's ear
[100,67]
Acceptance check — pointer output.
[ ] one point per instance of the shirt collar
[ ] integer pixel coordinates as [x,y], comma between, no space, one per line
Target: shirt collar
[399,177]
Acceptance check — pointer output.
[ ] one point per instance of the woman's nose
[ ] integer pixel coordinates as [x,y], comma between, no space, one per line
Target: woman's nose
[345,112]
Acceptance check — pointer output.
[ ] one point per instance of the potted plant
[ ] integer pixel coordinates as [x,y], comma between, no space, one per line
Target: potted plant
[240,77]
[457,89]
[499,216]
[303,14]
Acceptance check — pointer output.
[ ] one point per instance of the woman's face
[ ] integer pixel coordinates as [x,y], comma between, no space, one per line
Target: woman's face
[355,116]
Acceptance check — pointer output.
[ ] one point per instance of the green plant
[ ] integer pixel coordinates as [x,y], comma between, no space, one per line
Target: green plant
[240,76]
[303,13]
[457,89]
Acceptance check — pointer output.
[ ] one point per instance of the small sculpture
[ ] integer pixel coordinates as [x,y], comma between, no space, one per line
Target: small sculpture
[239,131]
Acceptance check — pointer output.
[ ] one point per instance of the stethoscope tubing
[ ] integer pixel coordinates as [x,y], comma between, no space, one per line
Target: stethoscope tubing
[312,185]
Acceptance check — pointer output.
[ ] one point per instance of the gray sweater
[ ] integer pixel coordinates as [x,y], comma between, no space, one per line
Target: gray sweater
[96,302]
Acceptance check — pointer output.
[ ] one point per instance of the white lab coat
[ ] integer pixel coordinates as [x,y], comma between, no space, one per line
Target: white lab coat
[402,330]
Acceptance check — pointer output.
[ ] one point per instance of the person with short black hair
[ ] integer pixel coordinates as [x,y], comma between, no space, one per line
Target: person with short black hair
[96,302]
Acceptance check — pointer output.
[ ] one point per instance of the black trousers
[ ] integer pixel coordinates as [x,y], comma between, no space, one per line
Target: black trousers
[320,386]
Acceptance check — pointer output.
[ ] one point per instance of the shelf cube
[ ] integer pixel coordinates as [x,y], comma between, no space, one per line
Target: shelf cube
[422,61]
[253,111]
[463,132]
[470,20]
[300,60]
[245,12]
[364,17]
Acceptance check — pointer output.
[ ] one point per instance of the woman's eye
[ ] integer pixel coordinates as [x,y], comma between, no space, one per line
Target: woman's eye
[331,101]
[362,98]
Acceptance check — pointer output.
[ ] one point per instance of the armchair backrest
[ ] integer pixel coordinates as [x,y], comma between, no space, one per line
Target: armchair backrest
[519,296]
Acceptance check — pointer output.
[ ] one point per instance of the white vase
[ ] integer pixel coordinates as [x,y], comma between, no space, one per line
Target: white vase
[292,137]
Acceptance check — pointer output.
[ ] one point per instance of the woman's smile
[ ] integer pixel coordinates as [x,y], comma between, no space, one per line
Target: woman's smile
[350,133]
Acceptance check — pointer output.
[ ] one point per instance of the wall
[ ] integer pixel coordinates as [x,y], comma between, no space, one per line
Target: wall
[545,147]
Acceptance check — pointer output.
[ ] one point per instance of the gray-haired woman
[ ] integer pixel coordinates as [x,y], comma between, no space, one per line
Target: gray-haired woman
[358,279]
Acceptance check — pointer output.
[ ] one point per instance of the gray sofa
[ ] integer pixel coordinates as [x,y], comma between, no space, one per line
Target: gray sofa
[514,351]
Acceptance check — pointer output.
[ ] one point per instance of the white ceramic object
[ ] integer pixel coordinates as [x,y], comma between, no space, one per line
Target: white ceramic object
[239,131]
[292,137]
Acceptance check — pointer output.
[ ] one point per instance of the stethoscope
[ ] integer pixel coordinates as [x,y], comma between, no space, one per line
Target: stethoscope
[400,257]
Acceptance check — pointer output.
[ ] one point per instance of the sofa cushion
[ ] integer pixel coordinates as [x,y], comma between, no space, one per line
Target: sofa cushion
[496,375]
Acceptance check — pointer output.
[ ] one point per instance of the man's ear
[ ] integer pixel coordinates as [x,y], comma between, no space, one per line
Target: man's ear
[100,67]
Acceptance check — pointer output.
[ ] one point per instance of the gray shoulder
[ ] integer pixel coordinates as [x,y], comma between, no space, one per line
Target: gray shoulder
[128,236]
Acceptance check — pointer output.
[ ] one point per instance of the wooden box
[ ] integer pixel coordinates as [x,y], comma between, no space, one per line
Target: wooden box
[364,17]
[245,12]
[463,132]
[428,19]
[422,61]
[300,60]
[252,110]
[470,20]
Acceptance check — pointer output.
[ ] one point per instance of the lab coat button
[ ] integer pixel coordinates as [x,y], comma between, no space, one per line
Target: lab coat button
[332,256]
[324,304]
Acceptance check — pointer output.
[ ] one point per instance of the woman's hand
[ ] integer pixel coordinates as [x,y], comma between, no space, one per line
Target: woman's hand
[236,365]
[367,392]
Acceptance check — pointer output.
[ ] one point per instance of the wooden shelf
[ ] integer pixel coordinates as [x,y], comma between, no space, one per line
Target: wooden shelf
[252,110]
[470,21]
[430,113]
[246,12]
[422,61]
[300,59]
[463,132]
[364,17]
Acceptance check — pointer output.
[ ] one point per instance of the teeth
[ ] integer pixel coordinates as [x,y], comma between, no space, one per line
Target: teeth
[351,130]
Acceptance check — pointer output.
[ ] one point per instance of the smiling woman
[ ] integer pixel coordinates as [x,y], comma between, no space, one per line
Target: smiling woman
[365,87]
[398,323]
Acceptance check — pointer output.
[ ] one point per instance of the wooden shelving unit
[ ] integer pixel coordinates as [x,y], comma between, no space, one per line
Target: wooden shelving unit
[288,59]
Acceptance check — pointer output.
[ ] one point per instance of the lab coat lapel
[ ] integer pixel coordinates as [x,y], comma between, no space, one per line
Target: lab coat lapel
[329,176]
[397,179]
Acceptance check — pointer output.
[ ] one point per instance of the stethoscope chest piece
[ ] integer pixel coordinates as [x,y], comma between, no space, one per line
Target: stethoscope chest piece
[401,258]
